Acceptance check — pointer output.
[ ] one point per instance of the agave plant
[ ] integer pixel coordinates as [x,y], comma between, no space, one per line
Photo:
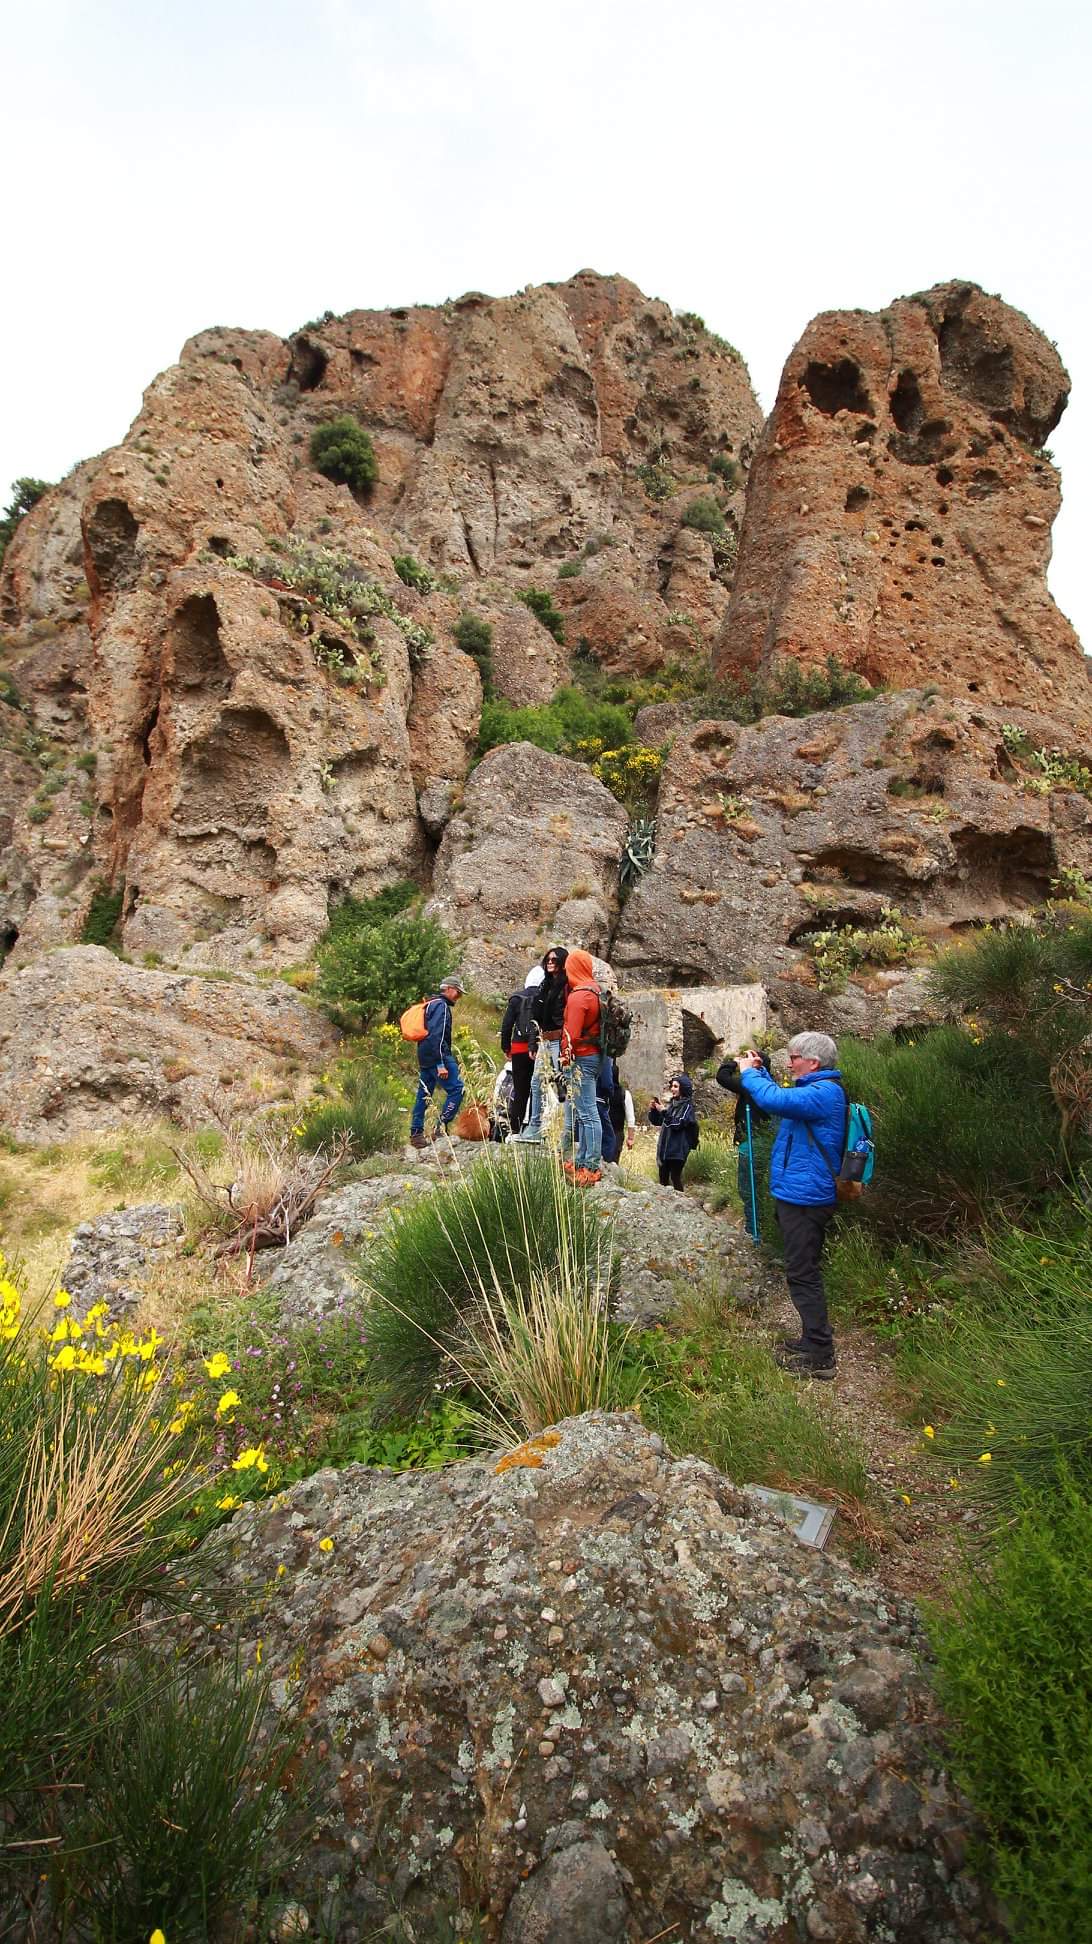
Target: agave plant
[637,855]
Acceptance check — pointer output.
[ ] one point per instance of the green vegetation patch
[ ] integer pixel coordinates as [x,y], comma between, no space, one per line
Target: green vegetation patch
[343,451]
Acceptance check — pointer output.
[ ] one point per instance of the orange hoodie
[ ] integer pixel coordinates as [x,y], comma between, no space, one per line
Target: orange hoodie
[580,1032]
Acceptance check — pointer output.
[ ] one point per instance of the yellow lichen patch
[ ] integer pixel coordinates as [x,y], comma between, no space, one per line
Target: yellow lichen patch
[527,1457]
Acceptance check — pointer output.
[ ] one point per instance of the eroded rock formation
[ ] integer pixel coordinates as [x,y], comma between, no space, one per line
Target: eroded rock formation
[900,507]
[240,783]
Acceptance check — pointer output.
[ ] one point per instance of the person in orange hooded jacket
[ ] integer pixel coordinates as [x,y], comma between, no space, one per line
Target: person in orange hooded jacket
[582,1057]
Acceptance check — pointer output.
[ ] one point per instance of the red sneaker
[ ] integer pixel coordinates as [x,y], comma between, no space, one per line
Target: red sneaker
[587,1177]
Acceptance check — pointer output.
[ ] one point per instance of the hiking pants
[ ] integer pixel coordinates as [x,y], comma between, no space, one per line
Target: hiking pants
[427,1084]
[671,1171]
[582,1111]
[523,1066]
[804,1231]
[548,1050]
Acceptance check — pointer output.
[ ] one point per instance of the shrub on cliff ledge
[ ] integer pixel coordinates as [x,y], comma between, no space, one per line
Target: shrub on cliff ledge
[374,962]
[25,493]
[344,452]
[704,516]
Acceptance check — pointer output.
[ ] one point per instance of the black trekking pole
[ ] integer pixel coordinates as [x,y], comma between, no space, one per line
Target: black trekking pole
[750,1196]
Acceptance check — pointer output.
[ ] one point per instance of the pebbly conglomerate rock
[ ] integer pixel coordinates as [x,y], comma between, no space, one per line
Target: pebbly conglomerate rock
[595,1651]
[900,507]
[87,1041]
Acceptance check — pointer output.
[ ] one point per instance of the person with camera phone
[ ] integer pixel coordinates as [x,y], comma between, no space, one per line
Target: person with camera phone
[679,1131]
[804,1164]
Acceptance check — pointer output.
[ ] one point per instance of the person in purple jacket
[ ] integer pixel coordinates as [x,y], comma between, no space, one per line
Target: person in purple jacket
[804,1164]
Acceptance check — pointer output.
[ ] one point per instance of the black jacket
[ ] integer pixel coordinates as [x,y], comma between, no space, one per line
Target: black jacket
[513,1013]
[549,1006]
[728,1078]
[678,1124]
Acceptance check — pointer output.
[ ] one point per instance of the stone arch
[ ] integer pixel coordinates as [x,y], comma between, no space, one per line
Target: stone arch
[111,535]
[230,776]
[699,1042]
[197,654]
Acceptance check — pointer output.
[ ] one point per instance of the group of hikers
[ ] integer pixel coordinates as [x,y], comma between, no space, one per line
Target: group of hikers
[553,1036]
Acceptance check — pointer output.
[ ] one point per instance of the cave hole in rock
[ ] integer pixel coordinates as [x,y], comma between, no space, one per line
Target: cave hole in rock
[219,544]
[986,482]
[836,387]
[199,660]
[698,1041]
[147,732]
[977,370]
[112,533]
[9,938]
[823,918]
[230,775]
[1017,866]
[907,409]
[857,497]
[864,433]
[866,870]
[944,475]
[309,362]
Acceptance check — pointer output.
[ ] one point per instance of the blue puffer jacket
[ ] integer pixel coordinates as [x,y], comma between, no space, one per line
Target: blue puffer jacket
[816,1103]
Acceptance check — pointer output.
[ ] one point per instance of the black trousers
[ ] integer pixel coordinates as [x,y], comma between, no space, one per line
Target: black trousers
[804,1231]
[671,1171]
[523,1065]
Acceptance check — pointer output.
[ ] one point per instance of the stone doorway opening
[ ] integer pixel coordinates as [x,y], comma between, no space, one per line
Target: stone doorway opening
[699,1043]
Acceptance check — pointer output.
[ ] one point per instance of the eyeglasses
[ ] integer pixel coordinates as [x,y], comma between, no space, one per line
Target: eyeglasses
[797,1056]
[551,960]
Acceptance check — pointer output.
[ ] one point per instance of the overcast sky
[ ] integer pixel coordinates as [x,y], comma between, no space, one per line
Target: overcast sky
[173,167]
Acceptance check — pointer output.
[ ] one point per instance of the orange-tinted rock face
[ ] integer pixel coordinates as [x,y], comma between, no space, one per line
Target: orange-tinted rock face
[239,785]
[900,506]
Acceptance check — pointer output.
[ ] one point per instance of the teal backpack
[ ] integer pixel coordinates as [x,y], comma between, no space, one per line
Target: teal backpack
[858,1152]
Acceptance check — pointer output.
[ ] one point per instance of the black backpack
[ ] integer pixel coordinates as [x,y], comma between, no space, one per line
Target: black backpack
[526,1025]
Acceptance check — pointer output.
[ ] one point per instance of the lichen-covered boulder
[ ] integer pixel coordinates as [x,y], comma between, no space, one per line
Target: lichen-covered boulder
[597,1692]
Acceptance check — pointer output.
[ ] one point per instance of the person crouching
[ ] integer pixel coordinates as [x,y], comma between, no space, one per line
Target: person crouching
[679,1132]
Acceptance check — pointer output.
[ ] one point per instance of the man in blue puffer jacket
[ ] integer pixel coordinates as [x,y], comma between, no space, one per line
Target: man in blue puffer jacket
[436,1063]
[804,1165]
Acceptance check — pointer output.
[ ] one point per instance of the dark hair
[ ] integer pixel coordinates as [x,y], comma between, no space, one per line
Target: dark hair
[559,953]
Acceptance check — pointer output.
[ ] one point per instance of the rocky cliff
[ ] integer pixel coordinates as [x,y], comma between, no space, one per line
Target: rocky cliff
[222,706]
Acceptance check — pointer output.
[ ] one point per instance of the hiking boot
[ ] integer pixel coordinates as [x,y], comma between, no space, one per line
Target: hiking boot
[569,1168]
[790,1343]
[807,1363]
[419,1140]
[587,1177]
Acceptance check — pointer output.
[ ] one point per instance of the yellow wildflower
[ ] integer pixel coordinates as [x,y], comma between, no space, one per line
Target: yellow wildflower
[253,1458]
[228,1402]
[905,1497]
[986,1458]
[157,1937]
[62,1299]
[1001,1383]
[927,1431]
[326,1545]
[228,1502]
[64,1359]
[218,1365]
[954,1483]
[281,1569]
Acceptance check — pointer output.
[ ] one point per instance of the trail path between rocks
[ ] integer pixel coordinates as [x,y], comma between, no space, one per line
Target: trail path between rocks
[926,1536]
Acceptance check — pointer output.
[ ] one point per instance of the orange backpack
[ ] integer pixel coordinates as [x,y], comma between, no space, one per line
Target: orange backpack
[412,1023]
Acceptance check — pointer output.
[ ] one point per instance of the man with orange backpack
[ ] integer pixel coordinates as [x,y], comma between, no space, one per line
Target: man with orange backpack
[581,1059]
[436,1063]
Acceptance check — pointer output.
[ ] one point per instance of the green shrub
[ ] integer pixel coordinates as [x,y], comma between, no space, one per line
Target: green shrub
[657,481]
[789,689]
[1045,769]
[363,1108]
[569,569]
[343,451]
[25,493]
[962,1128]
[724,470]
[1016,1680]
[1005,1365]
[184,1815]
[541,604]
[101,923]
[474,636]
[371,969]
[571,719]
[839,951]
[412,574]
[452,1430]
[504,1231]
[9,692]
[704,516]
[342,590]
[1031,980]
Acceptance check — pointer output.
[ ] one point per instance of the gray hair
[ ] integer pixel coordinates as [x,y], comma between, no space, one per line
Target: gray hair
[815,1046]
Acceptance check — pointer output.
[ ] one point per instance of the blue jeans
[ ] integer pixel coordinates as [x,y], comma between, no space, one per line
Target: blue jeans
[582,1107]
[426,1087]
[548,1050]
